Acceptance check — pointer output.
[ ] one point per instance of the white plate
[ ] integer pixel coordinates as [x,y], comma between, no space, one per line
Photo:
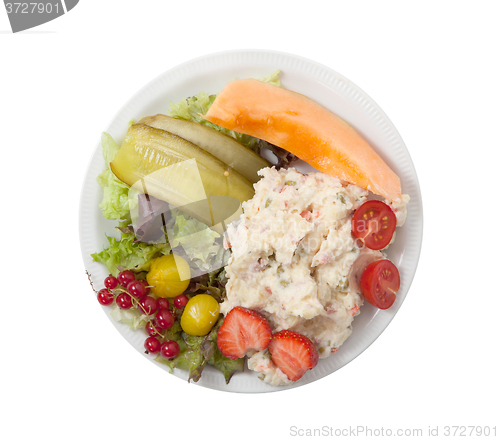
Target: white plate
[335,92]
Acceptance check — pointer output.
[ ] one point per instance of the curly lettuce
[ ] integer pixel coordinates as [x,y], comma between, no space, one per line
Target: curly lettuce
[198,351]
[202,245]
[115,201]
[132,317]
[126,253]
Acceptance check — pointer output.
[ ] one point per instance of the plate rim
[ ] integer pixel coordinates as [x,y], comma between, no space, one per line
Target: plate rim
[416,204]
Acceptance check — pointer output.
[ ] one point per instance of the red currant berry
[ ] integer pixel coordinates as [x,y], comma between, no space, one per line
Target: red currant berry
[124,301]
[164,319]
[111,282]
[170,349]
[163,303]
[125,277]
[151,329]
[136,289]
[152,345]
[180,301]
[148,305]
[146,285]
[105,297]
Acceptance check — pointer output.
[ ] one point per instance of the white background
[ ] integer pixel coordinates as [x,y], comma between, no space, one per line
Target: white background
[433,68]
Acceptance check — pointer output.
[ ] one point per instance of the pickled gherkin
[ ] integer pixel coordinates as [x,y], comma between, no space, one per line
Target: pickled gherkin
[223,147]
[177,171]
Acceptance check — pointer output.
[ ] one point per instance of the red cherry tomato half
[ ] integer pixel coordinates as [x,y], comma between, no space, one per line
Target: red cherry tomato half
[379,283]
[374,224]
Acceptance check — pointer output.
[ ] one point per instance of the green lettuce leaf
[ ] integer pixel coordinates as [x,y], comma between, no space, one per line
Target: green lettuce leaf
[227,366]
[200,244]
[190,357]
[191,108]
[193,240]
[198,351]
[132,317]
[273,79]
[115,201]
[127,254]
[213,283]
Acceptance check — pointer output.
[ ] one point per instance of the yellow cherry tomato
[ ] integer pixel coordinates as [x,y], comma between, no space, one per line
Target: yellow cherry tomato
[200,315]
[168,276]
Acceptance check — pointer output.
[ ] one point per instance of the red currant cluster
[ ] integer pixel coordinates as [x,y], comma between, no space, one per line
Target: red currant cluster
[127,292]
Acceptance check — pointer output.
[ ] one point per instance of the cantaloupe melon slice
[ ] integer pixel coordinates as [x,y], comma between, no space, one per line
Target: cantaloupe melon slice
[303,127]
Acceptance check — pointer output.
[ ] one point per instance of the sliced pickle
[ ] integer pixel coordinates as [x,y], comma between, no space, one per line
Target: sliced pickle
[223,147]
[172,169]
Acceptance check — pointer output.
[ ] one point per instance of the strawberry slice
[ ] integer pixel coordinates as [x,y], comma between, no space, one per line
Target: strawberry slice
[293,353]
[243,330]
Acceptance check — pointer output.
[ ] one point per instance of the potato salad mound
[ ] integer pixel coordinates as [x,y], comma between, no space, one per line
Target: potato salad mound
[292,253]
